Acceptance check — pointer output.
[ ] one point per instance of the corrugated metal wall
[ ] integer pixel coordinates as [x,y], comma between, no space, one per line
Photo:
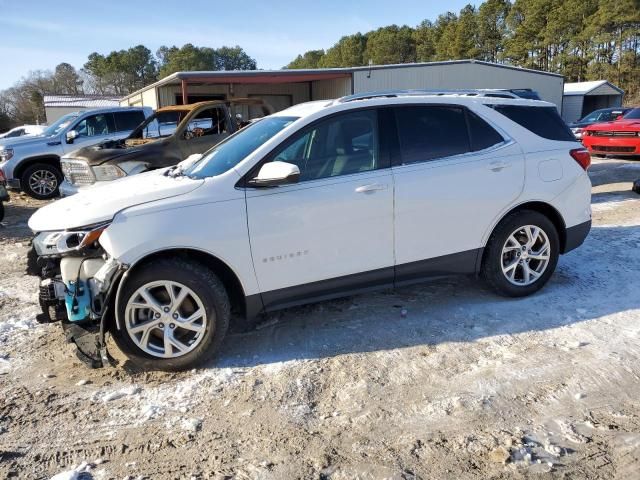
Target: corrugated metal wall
[330,89]
[572,108]
[459,75]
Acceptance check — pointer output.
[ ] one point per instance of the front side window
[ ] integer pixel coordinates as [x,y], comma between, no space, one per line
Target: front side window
[160,124]
[211,121]
[342,145]
[95,125]
[633,114]
[431,132]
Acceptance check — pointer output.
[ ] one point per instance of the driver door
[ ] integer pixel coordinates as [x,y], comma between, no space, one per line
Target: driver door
[92,129]
[204,130]
[332,232]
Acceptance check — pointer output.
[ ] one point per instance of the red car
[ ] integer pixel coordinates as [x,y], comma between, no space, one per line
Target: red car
[619,137]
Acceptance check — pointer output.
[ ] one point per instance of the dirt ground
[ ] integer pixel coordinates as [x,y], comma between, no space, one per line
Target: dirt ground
[434,381]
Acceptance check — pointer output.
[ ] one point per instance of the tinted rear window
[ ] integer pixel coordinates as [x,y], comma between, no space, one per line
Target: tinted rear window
[128,120]
[543,121]
[431,132]
[483,135]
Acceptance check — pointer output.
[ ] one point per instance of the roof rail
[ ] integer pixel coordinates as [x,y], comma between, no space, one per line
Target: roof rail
[471,92]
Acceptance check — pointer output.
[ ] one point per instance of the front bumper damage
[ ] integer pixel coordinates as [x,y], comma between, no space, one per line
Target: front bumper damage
[78,291]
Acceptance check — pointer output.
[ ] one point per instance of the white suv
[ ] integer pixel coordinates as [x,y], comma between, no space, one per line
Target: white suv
[322,200]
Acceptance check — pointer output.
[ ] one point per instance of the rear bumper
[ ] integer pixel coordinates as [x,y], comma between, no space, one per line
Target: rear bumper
[612,145]
[576,236]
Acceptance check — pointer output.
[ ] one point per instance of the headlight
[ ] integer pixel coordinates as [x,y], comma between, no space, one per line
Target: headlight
[66,241]
[77,172]
[5,153]
[105,173]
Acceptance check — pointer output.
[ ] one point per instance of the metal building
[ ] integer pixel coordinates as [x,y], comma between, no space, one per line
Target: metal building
[55,106]
[283,88]
[582,98]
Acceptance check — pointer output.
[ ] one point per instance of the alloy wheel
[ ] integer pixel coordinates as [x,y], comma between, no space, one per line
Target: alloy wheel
[165,319]
[43,182]
[525,255]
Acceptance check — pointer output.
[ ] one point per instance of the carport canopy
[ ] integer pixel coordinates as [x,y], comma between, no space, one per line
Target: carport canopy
[252,77]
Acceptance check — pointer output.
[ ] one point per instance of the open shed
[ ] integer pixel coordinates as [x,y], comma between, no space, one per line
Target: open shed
[284,88]
[582,98]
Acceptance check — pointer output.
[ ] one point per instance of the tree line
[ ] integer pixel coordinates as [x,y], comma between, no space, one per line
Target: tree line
[580,39]
[117,73]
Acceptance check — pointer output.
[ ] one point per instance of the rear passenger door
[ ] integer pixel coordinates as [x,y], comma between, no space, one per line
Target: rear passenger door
[126,122]
[454,174]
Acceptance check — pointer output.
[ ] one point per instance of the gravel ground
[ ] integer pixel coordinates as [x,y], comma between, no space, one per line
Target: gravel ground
[433,381]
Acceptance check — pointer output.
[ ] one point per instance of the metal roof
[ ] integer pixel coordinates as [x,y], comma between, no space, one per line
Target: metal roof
[583,88]
[80,101]
[304,75]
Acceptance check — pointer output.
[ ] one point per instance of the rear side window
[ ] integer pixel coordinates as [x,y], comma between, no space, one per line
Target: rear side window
[482,134]
[128,120]
[431,132]
[543,121]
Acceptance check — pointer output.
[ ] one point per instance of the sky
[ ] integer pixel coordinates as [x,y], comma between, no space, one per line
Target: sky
[39,34]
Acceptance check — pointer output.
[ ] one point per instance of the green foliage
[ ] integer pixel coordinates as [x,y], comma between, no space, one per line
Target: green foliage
[349,50]
[581,39]
[192,58]
[121,72]
[309,59]
[389,45]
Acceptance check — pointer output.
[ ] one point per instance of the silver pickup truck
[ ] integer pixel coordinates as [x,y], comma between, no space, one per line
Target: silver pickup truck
[32,164]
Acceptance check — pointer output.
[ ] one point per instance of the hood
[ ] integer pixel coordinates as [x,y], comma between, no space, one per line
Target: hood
[631,124]
[101,202]
[27,140]
[120,150]
[104,152]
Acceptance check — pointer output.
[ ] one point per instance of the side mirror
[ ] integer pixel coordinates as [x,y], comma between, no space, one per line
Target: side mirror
[276,173]
[71,136]
[619,117]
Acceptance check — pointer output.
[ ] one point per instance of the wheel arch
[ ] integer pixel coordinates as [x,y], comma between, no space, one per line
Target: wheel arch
[545,209]
[241,304]
[27,162]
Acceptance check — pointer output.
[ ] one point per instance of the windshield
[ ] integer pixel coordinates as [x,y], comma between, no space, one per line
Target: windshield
[237,147]
[160,124]
[633,114]
[60,124]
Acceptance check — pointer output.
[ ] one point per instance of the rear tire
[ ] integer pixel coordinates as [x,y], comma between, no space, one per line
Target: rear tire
[522,254]
[1,210]
[176,291]
[41,181]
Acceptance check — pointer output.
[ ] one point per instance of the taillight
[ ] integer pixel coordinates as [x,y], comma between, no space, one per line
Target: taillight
[581,155]
[2,177]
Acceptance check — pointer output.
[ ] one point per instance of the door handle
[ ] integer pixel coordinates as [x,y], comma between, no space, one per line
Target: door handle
[370,188]
[499,165]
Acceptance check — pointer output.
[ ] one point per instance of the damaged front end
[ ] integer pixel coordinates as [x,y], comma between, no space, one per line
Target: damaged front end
[78,279]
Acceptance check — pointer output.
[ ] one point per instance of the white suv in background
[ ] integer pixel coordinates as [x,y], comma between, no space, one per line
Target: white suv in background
[322,200]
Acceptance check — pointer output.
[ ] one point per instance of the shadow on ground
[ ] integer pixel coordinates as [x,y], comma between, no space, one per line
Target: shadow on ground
[453,310]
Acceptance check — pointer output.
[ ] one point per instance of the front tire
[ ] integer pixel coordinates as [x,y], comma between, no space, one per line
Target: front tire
[522,254]
[41,181]
[174,315]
